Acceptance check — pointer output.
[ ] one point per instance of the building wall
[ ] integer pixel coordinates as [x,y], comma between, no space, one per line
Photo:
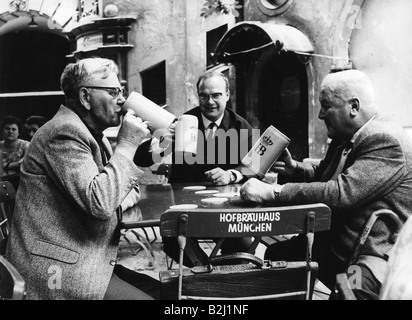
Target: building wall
[317,20]
[171,31]
[380,45]
[374,35]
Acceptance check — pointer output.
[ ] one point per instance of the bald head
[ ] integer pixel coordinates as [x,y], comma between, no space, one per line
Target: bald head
[350,84]
[347,102]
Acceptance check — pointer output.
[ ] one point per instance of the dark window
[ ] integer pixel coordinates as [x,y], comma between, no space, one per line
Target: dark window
[212,39]
[154,83]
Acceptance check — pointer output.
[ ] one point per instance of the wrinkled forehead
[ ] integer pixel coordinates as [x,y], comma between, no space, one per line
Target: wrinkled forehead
[111,80]
[99,69]
[326,94]
[215,82]
[11,126]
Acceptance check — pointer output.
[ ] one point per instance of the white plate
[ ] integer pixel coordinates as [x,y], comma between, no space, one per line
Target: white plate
[207,191]
[214,200]
[194,188]
[184,206]
[226,195]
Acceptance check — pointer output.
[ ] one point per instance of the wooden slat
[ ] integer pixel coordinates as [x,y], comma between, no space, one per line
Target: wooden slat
[242,222]
[239,281]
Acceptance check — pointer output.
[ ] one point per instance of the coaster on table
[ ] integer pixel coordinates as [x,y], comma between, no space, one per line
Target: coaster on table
[214,200]
[184,206]
[227,195]
[207,191]
[194,188]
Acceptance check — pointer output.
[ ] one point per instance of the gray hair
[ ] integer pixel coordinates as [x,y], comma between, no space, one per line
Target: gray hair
[349,84]
[211,74]
[80,73]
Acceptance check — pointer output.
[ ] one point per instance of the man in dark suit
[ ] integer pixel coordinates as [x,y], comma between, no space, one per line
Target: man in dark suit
[65,229]
[230,139]
[368,166]
[224,137]
[215,122]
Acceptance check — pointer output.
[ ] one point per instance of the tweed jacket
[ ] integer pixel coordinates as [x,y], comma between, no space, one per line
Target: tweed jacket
[64,232]
[184,172]
[377,175]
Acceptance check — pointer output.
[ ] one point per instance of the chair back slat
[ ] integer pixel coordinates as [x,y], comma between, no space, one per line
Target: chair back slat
[290,280]
[248,282]
[257,222]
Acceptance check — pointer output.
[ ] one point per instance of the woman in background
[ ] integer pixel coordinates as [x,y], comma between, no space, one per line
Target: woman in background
[13,149]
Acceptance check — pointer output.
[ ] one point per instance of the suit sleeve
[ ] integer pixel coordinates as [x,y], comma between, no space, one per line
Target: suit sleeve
[377,170]
[73,168]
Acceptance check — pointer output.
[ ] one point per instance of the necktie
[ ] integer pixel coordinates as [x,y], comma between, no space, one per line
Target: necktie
[211,130]
[345,152]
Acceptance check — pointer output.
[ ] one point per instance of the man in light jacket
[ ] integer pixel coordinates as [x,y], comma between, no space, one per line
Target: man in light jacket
[73,188]
[368,167]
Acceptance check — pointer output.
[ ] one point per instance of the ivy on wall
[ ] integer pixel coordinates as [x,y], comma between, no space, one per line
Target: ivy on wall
[211,7]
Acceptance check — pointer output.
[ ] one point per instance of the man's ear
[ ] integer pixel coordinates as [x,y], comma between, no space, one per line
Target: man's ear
[84,98]
[354,106]
[228,94]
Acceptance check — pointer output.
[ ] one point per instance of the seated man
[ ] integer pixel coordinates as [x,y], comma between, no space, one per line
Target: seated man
[222,167]
[65,230]
[368,166]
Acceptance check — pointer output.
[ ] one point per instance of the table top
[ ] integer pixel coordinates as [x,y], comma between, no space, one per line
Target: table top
[156,199]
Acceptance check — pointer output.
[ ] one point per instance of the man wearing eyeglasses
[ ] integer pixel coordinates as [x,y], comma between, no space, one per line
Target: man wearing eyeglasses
[214,94]
[220,164]
[214,119]
[65,229]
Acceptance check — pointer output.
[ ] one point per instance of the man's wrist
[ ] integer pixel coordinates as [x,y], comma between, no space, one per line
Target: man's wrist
[128,150]
[277,188]
[232,176]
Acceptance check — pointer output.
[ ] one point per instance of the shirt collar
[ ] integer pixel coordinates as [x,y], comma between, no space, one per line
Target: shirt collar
[206,121]
[98,135]
[362,128]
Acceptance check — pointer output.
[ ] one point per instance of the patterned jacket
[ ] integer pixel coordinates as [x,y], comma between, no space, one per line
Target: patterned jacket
[377,175]
[64,233]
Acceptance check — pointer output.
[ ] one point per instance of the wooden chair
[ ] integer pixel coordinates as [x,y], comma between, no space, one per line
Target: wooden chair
[242,275]
[343,289]
[12,285]
[7,200]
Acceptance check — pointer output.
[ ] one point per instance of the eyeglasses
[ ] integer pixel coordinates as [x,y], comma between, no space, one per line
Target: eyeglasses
[205,97]
[113,91]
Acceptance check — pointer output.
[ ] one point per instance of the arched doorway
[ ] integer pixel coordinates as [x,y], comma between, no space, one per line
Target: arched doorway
[30,67]
[272,69]
[282,98]
[33,54]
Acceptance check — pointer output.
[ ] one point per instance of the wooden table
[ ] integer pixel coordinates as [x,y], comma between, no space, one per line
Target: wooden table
[157,198]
